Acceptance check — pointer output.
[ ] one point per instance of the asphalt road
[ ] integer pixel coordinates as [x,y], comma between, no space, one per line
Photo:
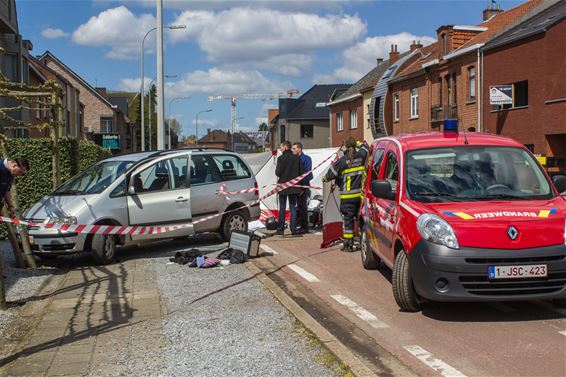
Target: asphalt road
[357,305]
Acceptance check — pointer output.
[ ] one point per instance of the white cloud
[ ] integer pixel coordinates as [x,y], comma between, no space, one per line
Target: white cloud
[51,33]
[361,58]
[217,81]
[119,29]
[256,34]
[133,84]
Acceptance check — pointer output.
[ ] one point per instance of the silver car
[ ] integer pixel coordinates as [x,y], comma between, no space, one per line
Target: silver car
[150,188]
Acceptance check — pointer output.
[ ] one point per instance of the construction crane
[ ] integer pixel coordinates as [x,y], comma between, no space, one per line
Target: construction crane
[234,98]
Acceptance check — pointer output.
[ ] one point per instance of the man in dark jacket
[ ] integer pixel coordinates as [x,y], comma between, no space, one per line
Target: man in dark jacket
[8,170]
[288,166]
[304,196]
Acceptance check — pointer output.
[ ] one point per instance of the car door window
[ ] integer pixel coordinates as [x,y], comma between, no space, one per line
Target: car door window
[392,170]
[179,168]
[231,167]
[155,178]
[376,163]
[201,171]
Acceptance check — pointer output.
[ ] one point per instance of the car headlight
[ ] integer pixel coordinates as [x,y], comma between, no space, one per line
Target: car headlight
[64,220]
[435,229]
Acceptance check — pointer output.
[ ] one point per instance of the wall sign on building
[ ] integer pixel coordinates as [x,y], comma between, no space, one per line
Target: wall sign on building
[501,95]
[109,141]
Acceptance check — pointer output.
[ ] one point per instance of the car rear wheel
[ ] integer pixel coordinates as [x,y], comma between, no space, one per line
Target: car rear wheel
[233,221]
[559,302]
[103,248]
[370,261]
[403,288]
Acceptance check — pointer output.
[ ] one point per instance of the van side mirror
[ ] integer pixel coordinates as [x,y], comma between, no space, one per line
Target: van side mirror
[559,182]
[131,190]
[381,188]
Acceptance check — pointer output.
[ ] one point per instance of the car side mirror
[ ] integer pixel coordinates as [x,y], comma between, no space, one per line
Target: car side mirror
[559,182]
[381,188]
[131,190]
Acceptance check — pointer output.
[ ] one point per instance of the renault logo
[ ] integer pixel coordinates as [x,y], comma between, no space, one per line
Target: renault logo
[512,232]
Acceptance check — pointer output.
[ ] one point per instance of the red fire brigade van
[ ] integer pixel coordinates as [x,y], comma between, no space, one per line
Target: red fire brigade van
[463,217]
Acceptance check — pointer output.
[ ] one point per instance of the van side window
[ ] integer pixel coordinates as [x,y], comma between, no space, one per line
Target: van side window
[179,166]
[376,163]
[201,171]
[154,178]
[231,167]
[392,170]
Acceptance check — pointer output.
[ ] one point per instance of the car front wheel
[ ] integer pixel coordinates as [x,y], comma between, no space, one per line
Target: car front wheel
[103,248]
[403,288]
[233,221]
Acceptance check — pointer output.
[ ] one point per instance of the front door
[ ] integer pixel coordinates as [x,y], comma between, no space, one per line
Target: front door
[161,197]
[373,171]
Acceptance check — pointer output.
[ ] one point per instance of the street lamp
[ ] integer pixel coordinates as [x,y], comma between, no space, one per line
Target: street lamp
[142,90]
[169,122]
[234,131]
[149,110]
[196,123]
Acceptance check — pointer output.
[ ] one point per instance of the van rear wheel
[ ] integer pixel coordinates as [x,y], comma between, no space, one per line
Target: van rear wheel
[403,288]
[103,248]
[370,261]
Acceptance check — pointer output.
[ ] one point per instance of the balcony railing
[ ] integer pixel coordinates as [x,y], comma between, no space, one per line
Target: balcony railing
[440,112]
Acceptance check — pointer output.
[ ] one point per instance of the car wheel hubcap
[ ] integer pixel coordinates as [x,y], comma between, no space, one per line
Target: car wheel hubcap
[237,223]
[109,246]
[364,247]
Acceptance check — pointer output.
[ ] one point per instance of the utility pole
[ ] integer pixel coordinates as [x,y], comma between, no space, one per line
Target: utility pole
[160,90]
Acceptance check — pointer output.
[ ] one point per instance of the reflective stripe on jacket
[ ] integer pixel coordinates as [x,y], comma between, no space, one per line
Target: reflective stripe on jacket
[349,175]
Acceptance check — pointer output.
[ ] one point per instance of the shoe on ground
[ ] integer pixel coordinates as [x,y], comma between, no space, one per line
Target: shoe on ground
[279,233]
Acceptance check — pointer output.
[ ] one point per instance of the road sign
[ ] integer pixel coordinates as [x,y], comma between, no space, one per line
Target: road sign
[501,95]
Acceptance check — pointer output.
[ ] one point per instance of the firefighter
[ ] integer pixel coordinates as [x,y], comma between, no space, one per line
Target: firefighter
[348,173]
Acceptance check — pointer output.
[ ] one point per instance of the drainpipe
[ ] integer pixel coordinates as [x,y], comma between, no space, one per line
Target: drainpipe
[480,88]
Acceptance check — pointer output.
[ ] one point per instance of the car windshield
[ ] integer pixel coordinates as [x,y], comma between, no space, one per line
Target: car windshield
[470,173]
[95,179]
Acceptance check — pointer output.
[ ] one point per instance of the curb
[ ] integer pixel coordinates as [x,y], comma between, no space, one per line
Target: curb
[357,366]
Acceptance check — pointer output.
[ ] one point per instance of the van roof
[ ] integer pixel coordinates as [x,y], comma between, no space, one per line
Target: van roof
[424,140]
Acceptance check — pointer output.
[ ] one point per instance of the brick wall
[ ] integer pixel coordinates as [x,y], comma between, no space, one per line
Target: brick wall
[406,123]
[345,108]
[540,60]
[320,137]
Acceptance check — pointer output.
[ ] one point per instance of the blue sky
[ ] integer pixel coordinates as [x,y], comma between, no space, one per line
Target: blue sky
[233,47]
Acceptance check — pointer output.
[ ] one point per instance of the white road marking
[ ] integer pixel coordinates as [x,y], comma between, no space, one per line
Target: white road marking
[360,312]
[552,308]
[269,250]
[304,274]
[502,307]
[436,364]
[562,332]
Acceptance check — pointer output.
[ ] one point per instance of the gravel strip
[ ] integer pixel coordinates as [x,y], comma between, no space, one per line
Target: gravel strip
[223,322]
[20,284]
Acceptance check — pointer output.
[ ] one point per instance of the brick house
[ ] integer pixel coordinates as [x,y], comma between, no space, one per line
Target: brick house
[72,116]
[441,81]
[104,123]
[307,118]
[537,117]
[223,140]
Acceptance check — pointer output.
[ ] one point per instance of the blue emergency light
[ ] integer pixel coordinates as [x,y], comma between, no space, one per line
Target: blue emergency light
[450,125]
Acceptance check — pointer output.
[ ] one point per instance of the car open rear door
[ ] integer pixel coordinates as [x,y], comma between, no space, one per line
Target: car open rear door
[159,195]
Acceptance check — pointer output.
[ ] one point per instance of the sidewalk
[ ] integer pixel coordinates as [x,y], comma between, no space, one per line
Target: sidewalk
[146,316]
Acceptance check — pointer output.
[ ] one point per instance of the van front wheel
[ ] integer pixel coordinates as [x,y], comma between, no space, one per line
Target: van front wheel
[103,248]
[370,261]
[403,288]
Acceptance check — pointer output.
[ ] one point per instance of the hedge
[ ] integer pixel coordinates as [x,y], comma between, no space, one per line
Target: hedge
[75,157]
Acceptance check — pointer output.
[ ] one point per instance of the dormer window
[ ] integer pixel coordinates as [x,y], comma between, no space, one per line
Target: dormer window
[444,44]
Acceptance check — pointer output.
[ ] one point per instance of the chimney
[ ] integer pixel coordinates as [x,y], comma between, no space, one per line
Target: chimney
[101,91]
[415,45]
[379,61]
[393,54]
[489,12]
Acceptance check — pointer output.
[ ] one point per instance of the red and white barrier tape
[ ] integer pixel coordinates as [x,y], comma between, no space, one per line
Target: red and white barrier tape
[248,190]
[139,229]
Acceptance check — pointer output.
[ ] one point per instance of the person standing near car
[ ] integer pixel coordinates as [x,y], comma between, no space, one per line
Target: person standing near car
[288,166]
[8,170]
[304,196]
[348,172]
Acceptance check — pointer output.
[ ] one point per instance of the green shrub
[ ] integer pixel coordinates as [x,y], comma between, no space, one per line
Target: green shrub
[75,157]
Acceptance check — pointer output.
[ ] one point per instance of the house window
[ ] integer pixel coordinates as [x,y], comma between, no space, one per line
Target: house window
[440,83]
[472,82]
[520,96]
[11,66]
[455,91]
[448,90]
[414,103]
[37,108]
[105,124]
[444,44]
[353,119]
[396,107]
[22,133]
[339,122]
[307,131]
[44,107]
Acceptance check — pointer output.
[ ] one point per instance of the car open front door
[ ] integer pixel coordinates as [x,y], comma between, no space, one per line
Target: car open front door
[159,195]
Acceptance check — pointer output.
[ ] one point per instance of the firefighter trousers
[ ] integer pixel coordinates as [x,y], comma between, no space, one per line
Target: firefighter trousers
[349,210]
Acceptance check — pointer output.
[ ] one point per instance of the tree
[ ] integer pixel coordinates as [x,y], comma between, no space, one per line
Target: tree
[175,125]
[263,127]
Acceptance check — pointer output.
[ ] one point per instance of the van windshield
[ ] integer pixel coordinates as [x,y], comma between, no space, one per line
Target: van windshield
[95,179]
[470,173]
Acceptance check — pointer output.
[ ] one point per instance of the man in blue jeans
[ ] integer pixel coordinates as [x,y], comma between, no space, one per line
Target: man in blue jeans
[304,196]
[288,167]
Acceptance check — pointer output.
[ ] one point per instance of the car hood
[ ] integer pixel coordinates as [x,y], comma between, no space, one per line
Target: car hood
[59,206]
[487,224]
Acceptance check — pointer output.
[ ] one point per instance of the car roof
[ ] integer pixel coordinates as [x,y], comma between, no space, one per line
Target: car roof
[423,140]
[139,156]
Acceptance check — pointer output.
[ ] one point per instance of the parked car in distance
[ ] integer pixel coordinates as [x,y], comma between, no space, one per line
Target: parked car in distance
[148,189]
[463,217]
